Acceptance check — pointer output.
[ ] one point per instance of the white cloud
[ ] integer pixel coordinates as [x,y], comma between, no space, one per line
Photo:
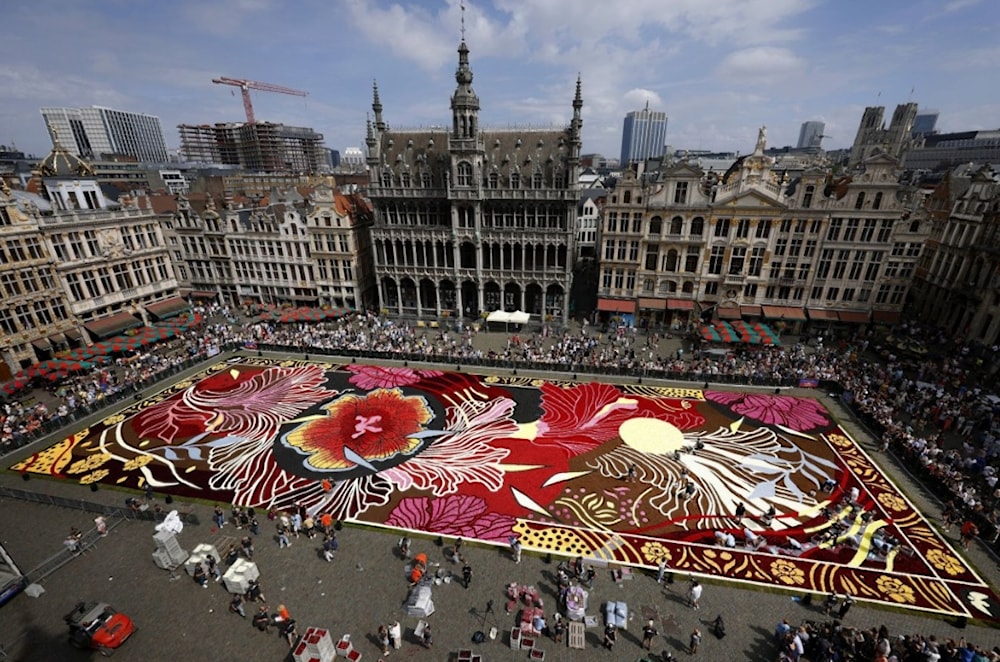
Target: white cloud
[761,64]
[638,98]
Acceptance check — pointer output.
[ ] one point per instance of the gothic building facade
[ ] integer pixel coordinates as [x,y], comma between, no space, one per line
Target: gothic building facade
[468,221]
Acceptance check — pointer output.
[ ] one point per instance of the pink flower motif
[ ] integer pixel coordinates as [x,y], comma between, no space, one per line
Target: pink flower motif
[801,414]
[455,515]
[371,377]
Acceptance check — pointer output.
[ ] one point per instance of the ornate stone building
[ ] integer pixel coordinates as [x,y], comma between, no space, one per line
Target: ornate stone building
[311,249]
[470,220]
[760,243]
[957,284]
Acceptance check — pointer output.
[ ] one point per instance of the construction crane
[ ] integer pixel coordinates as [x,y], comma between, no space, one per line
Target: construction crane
[247,85]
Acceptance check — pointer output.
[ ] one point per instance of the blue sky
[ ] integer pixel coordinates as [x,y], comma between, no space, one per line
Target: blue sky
[719,69]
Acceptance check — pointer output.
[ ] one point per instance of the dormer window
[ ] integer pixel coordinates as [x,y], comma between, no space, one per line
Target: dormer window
[515,180]
[536,182]
[387,178]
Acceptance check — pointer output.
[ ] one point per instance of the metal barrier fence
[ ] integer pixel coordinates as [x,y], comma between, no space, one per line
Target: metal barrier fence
[111,512]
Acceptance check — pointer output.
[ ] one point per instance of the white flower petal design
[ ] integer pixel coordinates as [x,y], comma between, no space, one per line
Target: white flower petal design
[730,466]
[467,454]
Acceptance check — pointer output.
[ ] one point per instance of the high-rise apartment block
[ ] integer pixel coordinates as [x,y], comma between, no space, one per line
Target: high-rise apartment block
[644,135]
[97,131]
[261,146]
[811,135]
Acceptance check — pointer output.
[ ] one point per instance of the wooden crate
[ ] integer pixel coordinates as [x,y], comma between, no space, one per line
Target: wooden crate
[576,635]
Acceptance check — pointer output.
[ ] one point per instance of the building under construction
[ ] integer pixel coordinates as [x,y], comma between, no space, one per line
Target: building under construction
[260,146]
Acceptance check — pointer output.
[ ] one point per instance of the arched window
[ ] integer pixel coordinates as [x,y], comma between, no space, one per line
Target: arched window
[404,179]
[464,177]
[677,225]
[494,180]
[877,202]
[626,197]
[655,225]
[859,202]
[515,180]
[536,181]
[387,178]
[697,226]
[426,180]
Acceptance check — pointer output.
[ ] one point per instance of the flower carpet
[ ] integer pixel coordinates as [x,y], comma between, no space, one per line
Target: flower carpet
[630,474]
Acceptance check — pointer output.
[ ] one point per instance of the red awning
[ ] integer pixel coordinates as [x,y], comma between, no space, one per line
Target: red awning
[854,316]
[204,294]
[729,313]
[751,311]
[822,314]
[652,304]
[680,304]
[42,344]
[887,316]
[167,307]
[783,313]
[616,306]
[109,326]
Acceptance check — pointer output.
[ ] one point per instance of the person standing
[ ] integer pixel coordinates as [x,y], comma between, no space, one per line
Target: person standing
[200,576]
[383,639]
[101,525]
[236,605]
[466,574]
[610,636]
[457,551]
[283,537]
[845,607]
[694,641]
[213,568]
[515,548]
[694,594]
[661,569]
[427,639]
[330,547]
[648,634]
[396,635]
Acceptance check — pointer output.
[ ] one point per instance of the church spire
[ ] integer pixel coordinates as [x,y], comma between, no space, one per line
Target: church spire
[377,107]
[464,103]
[578,106]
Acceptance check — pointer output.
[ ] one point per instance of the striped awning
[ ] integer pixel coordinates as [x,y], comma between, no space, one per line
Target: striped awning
[822,314]
[680,304]
[652,304]
[729,313]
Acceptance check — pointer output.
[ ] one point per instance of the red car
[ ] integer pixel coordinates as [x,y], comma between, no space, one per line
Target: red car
[97,626]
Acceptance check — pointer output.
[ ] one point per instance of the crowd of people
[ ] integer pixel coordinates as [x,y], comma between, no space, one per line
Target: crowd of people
[932,410]
[827,641]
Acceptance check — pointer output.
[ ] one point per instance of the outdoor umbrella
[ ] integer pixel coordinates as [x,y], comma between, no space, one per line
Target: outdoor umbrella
[709,333]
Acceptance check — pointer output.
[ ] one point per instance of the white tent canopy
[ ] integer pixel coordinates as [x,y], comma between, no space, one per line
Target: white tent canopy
[516,317]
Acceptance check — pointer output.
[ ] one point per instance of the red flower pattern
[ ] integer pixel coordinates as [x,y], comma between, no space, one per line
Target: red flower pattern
[801,414]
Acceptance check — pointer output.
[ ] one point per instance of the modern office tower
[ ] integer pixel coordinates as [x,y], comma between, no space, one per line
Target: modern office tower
[811,135]
[262,146]
[644,134]
[97,131]
[925,123]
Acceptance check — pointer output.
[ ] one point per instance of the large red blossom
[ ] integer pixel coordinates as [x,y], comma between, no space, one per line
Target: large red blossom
[375,426]
[800,414]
